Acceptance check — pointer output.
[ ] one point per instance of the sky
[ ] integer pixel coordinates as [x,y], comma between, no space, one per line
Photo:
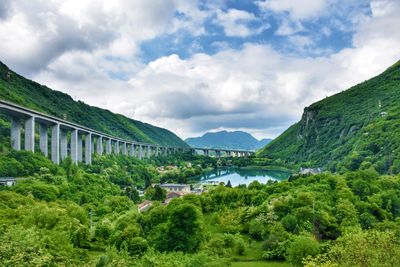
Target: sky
[195,66]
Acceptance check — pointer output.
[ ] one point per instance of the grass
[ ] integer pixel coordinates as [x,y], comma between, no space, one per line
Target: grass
[260,264]
[252,255]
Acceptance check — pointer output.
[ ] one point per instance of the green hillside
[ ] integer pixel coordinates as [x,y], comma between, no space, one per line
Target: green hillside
[19,90]
[357,128]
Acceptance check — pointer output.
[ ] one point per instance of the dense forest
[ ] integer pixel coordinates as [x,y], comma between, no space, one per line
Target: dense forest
[357,128]
[87,216]
[68,215]
[19,90]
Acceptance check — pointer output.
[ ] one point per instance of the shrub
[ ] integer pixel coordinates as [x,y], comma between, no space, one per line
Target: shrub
[300,248]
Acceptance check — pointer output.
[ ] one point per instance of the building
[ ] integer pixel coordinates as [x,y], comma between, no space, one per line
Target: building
[171,196]
[145,205]
[181,188]
[10,181]
[307,171]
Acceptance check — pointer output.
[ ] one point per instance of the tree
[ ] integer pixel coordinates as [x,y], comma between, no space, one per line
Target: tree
[302,247]
[133,194]
[361,248]
[229,184]
[184,230]
[156,193]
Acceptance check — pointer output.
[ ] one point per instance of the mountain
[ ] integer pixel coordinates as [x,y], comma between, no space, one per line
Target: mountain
[231,140]
[22,91]
[357,128]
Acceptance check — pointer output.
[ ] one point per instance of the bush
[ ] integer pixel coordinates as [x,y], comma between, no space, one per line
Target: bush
[300,248]
[136,246]
[361,248]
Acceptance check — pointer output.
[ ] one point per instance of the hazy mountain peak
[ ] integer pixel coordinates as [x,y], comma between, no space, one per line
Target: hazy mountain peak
[227,139]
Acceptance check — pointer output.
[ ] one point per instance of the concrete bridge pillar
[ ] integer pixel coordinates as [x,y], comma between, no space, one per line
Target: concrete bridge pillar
[132,150]
[74,146]
[140,152]
[15,133]
[80,148]
[55,144]
[63,144]
[30,134]
[218,153]
[88,148]
[123,149]
[108,146]
[116,147]
[43,140]
[99,145]
[148,152]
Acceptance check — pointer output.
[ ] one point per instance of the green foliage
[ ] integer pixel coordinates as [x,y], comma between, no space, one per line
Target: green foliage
[156,193]
[81,217]
[35,96]
[184,230]
[347,131]
[24,163]
[300,248]
[360,248]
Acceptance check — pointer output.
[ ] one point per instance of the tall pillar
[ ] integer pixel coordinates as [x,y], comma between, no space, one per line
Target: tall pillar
[116,147]
[109,146]
[92,141]
[80,148]
[63,144]
[99,145]
[123,149]
[218,153]
[55,144]
[140,152]
[148,152]
[30,134]
[74,146]
[15,134]
[132,150]
[156,151]
[88,148]
[44,140]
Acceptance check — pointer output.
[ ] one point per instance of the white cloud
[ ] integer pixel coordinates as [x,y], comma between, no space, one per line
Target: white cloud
[288,27]
[255,88]
[236,23]
[38,32]
[303,9]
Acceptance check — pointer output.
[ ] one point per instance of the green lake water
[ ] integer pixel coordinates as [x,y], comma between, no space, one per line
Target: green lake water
[243,176]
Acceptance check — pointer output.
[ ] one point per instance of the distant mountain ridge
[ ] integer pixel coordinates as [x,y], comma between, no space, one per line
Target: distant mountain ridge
[358,128]
[228,140]
[17,89]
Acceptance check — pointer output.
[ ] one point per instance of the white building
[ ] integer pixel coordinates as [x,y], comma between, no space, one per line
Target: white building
[182,188]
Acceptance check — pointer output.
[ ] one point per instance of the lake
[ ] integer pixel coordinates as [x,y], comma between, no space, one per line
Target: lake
[243,176]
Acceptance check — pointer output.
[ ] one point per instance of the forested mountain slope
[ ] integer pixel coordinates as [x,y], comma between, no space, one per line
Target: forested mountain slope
[19,90]
[357,128]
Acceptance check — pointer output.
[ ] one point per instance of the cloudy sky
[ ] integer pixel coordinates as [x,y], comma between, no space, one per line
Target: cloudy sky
[194,66]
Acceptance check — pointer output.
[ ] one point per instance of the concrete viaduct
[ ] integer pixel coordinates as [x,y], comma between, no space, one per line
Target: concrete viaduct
[80,142]
[219,152]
